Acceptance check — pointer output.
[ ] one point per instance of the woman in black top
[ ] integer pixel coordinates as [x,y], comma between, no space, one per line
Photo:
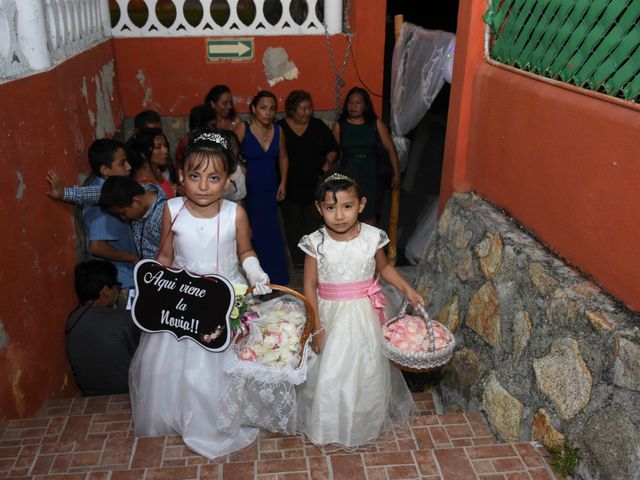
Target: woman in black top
[312,150]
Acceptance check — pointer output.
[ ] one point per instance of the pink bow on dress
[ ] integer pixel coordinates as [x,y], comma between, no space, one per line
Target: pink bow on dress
[354,290]
[374,292]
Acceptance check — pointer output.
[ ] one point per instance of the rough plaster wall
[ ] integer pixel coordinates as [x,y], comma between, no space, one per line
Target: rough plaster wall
[76,102]
[147,102]
[277,66]
[102,117]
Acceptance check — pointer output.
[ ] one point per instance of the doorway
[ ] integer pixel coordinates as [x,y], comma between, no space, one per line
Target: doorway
[422,174]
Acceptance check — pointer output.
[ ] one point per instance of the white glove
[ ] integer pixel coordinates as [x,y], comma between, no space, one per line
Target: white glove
[257,277]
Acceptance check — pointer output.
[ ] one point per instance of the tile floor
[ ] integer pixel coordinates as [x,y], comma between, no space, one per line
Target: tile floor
[92,439]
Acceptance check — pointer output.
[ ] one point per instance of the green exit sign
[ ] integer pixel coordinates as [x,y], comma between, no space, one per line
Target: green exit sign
[230,49]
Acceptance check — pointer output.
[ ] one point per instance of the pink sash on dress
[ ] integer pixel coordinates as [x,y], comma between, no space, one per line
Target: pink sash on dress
[354,290]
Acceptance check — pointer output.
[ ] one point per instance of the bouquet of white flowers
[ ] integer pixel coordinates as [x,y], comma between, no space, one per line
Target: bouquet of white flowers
[274,334]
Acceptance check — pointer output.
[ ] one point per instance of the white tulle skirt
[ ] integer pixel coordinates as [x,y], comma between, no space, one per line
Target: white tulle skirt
[352,395]
[175,388]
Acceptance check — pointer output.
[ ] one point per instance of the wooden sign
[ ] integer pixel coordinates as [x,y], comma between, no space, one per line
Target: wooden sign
[185,305]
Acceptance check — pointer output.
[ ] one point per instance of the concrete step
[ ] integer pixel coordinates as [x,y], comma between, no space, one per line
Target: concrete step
[92,439]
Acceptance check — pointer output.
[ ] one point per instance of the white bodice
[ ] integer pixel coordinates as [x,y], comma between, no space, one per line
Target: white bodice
[345,261]
[196,245]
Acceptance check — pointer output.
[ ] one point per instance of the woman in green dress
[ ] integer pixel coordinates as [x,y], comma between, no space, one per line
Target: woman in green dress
[363,137]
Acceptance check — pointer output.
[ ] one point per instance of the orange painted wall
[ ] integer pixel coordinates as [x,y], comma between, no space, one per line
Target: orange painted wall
[563,163]
[45,123]
[171,75]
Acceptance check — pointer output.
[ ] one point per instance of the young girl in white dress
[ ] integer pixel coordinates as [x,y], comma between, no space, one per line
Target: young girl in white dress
[176,385]
[352,392]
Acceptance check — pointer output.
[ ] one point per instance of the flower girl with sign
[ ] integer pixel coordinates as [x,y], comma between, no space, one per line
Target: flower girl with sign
[351,391]
[176,382]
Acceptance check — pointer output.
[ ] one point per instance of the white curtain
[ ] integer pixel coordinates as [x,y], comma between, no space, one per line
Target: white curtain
[422,62]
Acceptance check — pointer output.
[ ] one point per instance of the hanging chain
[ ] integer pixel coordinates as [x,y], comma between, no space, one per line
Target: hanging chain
[339,76]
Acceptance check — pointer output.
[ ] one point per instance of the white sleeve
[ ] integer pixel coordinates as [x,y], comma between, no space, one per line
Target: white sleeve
[308,246]
[237,189]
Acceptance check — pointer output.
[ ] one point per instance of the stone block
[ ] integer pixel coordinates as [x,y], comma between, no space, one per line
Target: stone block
[626,368]
[443,222]
[585,289]
[460,236]
[504,411]
[483,315]
[609,441]
[562,310]
[521,333]
[564,377]
[465,268]
[543,282]
[463,371]
[599,322]
[445,262]
[489,252]
[449,315]
[543,431]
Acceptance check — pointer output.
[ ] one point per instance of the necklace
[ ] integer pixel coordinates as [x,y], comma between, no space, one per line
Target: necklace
[262,132]
[354,235]
[348,239]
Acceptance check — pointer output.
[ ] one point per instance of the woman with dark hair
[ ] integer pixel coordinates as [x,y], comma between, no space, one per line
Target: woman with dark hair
[362,135]
[220,100]
[152,152]
[263,148]
[200,116]
[312,150]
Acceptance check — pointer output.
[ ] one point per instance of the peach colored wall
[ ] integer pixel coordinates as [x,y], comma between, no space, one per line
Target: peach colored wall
[562,163]
[171,75]
[45,123]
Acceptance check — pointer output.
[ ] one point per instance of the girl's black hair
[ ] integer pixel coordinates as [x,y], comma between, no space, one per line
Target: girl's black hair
[206,143]
[340,183]
[214,95]
[369,112]
[199,116]
[327,184]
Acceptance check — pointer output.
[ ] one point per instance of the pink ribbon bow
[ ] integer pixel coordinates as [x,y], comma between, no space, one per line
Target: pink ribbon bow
[374,292]
[354,290]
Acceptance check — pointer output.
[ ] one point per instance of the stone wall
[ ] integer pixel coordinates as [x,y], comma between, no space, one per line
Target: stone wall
[542,351]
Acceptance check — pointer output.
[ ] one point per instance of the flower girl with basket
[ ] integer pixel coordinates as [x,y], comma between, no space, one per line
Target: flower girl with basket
[352,393]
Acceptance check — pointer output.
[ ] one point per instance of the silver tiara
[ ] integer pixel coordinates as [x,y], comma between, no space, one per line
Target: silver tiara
[215,138]
[337,176]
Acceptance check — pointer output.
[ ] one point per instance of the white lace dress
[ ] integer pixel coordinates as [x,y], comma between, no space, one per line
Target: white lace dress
[352,392]
[176,385]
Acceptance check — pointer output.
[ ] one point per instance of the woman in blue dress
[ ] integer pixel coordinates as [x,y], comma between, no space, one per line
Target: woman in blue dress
[263,148]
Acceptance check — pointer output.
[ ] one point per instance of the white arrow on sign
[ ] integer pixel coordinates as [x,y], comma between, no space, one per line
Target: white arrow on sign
[229,49]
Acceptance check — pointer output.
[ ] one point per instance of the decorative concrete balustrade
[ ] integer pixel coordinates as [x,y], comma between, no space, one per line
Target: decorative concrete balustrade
[36,35]
[229,18]
[542,351]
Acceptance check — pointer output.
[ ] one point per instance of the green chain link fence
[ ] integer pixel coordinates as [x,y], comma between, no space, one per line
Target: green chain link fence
[593,44]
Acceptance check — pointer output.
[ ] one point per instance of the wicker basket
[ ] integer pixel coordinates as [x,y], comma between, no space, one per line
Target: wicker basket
[311,315]
[419,361]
